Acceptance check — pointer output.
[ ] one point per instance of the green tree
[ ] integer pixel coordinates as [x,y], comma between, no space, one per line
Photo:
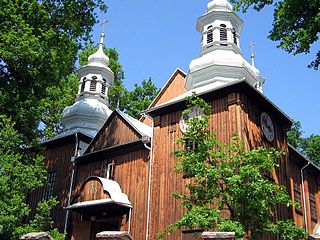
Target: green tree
[38,49]
[296,24]
[51,106]
[308,146]
[41,222]
[141,97]
[227,177]
[20,172]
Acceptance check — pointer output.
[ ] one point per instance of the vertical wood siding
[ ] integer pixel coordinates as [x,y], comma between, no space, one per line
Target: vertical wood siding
[115,133]
[57,159]
[131,172]
[231,114]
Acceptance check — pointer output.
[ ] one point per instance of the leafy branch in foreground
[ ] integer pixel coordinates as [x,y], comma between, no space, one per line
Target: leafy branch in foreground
[308,146]
[230,187]
[296,24]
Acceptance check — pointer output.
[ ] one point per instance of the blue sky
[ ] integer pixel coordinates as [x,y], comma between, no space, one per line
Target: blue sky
[153,38]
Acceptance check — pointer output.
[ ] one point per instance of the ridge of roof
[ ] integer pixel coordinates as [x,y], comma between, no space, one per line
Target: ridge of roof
[140,127]
[212,88]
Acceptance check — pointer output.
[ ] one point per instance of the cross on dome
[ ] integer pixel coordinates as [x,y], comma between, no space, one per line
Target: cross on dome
[100,57]
[252,44]
[105,21]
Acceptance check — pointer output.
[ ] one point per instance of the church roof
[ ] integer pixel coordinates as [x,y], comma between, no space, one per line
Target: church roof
[216,88]
[141,128]
[296,156]
[66,136]
[140,132]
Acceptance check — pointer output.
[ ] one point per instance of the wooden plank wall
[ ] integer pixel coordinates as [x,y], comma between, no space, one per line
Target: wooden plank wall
[115,133]
[311,185]
[131,172]
[250,131]
[58,159]
[232,113]
[175,87]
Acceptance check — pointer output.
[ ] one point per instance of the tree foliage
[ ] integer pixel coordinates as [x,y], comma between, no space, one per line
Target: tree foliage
[56,99]
[296,24]
[141,97]
[308,146]
[41,222]
[20,172]
[230,187]
[38,49]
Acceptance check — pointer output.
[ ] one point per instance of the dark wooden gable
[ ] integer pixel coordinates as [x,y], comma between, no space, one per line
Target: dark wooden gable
[116,131]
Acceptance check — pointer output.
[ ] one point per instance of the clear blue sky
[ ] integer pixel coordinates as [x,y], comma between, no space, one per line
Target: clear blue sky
[153,38]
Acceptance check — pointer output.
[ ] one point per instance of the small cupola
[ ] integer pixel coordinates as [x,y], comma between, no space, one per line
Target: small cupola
[96,77]
[220,59]
[90,110]
[220,27]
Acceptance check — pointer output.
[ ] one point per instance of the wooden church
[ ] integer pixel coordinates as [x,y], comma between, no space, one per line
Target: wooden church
[112,172]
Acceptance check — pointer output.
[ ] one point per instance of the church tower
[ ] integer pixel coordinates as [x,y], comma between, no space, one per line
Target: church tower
[221,60]
[90,111]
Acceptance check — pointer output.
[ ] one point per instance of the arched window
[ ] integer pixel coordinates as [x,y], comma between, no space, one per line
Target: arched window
[234,34]
[83,84]
[223,34]
[93,85]
[103,87]
[209,34]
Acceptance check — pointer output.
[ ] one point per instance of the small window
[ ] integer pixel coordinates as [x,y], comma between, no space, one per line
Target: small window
[209,34]
[297,195]
[313,206]
[234,34]
[223,34]
[83,84]
[103,87]
[93,85]
[191,145]
[49,188]
[109,171]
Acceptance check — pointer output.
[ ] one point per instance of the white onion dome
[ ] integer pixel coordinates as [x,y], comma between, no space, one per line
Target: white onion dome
[99,57]
[86,115]
[219,5]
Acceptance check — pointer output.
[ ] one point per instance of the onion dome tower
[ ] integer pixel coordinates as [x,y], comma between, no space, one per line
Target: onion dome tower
[221,60]
[90,111]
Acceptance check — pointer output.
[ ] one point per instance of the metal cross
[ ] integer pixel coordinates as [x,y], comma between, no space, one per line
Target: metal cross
[105,21]
[252,45]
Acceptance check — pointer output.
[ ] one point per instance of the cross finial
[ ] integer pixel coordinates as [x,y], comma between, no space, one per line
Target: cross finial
[104,22]
[252,45]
